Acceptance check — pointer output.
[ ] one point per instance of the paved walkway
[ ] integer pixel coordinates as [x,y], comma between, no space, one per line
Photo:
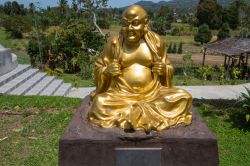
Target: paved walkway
[198,92]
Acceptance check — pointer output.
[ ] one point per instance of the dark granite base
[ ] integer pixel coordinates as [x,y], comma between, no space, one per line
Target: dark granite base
[85,145]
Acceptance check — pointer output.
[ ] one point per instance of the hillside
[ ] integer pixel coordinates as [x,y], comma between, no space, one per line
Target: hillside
[179,4]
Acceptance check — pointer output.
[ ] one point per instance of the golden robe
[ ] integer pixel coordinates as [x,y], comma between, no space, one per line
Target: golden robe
[138,97]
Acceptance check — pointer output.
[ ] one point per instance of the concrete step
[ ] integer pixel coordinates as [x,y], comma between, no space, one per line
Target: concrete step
[63,90]
[14,73]
[11,85]
[27,85]
[52,88]
[38,88]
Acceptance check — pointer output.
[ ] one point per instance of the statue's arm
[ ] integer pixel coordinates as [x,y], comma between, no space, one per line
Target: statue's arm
[166,78]
[102,80]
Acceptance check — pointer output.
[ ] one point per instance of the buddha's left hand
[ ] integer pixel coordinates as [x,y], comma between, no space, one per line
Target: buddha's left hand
[159,68]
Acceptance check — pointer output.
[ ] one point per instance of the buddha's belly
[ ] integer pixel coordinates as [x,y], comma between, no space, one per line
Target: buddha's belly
[137,76]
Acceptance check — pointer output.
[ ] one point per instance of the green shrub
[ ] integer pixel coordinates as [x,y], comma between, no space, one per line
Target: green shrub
[245,102]
[205,72]
[244,33]
[203,35]
[180,48]
[174,50]
[170,48]
[175,31]
[103,23]
[224,31]
[67,48]
[222,76]
[235,74]
[187,68]
[38,49]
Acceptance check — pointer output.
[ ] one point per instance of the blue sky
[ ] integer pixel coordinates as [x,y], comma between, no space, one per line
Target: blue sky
[45,3]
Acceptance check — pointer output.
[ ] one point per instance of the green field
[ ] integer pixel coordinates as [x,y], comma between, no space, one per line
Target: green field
[30,129]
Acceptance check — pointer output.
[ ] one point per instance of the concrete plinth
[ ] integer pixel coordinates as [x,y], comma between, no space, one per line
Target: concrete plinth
[8,61]
[86,145]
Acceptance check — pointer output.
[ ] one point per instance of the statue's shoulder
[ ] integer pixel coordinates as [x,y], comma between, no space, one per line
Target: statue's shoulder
[113,40]
[155,39]
[157,36]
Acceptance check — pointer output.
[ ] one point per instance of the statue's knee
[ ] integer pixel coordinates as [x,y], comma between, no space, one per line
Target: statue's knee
[99,99]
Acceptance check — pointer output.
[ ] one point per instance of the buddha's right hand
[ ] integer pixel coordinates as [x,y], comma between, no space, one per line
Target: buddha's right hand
[113,69]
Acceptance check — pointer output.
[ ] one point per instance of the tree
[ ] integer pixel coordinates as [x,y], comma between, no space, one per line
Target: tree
[174,50]
[90,7]
[7,8]
[103,23]
[13,8]
[93,4]
[16,25]
[67,48]
[160,25]
[38,49]
[231,15]
[246,17]
[170,48]
[32,8]
[74,6]
[1,8]
[63,7]
[162,20]
[224,32]
[244,33]
[204,34]
[165,12]
[180,48]
[209,12]
[16,9]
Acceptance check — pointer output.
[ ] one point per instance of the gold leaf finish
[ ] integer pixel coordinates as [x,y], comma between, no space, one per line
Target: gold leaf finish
[133,81]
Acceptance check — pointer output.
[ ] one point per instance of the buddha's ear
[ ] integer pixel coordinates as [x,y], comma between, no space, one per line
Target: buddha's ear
[146,20]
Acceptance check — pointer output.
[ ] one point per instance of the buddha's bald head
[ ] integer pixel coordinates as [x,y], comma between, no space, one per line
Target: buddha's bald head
[134,24]
[135,11]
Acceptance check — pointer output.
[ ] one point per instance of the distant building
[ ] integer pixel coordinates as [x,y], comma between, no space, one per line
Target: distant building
[179,20]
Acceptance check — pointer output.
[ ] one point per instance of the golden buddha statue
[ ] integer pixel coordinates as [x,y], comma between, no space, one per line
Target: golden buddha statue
[133,81]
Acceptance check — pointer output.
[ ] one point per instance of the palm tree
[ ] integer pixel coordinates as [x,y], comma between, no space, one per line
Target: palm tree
[63,5]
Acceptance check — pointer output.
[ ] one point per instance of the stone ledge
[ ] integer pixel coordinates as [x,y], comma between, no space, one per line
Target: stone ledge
[84,144]
[8,61]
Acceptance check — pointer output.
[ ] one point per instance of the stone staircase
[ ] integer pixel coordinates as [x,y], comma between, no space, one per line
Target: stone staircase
[24,80]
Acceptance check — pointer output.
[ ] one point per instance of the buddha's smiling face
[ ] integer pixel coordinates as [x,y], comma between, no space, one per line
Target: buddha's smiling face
[133,22]
[132,29]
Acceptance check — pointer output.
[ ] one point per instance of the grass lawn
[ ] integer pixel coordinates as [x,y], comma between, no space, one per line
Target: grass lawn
[32,136]
[179,80]
[17,46]
[228,124]
[76,81]
[179,39]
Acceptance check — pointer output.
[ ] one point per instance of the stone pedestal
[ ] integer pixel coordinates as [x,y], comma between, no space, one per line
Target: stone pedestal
[8,61]
[85,145]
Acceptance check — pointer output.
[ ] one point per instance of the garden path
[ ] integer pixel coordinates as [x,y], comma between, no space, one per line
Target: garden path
[198,92]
